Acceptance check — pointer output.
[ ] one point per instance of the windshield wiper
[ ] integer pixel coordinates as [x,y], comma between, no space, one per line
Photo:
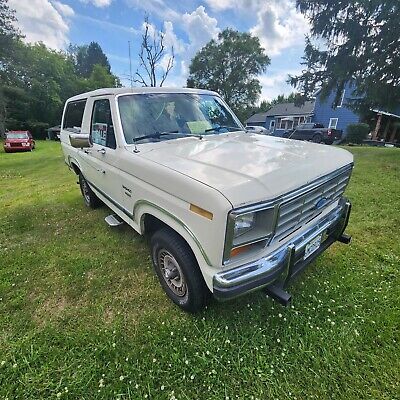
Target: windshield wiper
[219,127]
[157,135]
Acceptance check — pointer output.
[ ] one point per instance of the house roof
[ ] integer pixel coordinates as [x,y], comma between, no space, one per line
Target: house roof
[283,110]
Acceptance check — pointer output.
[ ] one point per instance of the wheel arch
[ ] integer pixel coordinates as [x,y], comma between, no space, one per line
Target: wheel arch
[150,217]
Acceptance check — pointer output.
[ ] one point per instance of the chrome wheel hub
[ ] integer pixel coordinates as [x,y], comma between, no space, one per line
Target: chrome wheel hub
[85,190]
[172,273]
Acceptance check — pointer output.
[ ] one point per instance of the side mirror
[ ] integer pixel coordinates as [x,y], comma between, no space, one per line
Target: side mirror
[79,140]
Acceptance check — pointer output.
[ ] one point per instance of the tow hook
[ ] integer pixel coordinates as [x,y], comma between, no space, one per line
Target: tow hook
[343,238]
[278,294]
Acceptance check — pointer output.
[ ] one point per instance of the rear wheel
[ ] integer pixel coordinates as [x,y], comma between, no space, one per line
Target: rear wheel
[178,271]
[91,200]
[317,138]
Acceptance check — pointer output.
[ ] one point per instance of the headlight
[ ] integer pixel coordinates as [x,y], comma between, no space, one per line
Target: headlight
[243,224]
[247,228]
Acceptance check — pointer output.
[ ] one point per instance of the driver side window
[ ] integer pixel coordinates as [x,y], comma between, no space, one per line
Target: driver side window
[102,127]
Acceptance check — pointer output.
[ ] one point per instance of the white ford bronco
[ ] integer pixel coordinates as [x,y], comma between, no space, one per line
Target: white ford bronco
[227,211]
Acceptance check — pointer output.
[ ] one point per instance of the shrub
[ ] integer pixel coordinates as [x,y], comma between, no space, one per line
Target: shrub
[356,133]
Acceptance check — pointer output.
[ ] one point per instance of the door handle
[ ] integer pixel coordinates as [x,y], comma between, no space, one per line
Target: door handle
[102,151]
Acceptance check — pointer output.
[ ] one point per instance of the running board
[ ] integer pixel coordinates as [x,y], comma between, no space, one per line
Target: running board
[113,220]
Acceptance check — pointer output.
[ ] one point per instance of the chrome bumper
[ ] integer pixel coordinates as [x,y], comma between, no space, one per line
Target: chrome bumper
[287,261]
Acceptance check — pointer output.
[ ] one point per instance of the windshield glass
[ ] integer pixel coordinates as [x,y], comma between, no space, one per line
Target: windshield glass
[22,135]
[176,113]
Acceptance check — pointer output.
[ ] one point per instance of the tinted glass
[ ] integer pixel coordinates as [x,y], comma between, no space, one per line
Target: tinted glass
[74,115]
[22,135]
[102,128]
[180,113]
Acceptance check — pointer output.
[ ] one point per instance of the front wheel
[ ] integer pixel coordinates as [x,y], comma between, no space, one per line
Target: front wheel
[178,271]
[91,200]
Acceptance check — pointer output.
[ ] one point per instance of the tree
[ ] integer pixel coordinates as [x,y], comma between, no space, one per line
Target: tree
[8,35]
[87,56]
[153,52]
[362,46]
[230,66]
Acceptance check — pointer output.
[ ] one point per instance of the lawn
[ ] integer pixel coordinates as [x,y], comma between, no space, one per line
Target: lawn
[82,315]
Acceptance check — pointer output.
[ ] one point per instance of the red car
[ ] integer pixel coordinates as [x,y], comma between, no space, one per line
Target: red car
[18,141]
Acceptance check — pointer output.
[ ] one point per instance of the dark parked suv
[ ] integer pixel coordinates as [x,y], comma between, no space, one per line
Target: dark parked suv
[314,132]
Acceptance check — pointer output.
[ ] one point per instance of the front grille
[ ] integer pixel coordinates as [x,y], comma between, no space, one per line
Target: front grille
[297,212]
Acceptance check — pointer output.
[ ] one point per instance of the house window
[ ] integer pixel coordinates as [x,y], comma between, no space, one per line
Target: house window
[333,123]
[342,98]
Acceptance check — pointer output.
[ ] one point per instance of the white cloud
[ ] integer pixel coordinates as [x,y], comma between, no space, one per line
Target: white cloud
[42,21]
[156,7]
[98,3]
[278,24]
[200,28]
[274,84]
[64,9]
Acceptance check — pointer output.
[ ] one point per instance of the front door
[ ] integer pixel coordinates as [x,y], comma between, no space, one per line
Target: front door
[102,158]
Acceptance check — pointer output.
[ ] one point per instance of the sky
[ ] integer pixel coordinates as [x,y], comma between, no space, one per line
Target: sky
[188,26]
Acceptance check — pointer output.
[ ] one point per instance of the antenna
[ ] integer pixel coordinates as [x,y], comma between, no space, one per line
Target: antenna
[130,63]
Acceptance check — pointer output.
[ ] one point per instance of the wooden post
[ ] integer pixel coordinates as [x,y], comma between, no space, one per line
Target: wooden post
[377,126]
[393,135]
[386,130]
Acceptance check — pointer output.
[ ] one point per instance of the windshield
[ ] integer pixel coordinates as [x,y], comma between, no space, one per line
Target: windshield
[178,114]
[22,135]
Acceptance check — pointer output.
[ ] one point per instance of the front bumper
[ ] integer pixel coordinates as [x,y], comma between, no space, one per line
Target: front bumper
[287,261]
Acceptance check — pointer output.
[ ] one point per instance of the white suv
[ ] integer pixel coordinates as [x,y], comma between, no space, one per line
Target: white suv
[227,211]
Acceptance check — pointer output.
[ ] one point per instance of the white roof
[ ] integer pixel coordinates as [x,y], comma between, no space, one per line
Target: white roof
[138,90]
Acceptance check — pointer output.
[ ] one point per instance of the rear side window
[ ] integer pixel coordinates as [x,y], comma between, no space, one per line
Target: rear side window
[74,115]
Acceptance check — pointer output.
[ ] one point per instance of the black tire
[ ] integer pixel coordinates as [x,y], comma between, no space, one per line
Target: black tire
[189,281]
[90,199]
[317,138]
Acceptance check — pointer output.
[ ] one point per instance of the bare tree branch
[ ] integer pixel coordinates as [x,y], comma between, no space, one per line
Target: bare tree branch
[152,52]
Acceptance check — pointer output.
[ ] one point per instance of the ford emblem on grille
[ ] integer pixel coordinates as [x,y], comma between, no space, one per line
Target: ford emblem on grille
[321,203]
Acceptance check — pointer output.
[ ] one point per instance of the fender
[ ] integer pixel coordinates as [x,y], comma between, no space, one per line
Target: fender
[143,207]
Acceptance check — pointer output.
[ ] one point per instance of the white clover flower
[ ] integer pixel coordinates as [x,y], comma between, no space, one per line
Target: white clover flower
[154,360]
[186,362]
[184,339]
[280,315]
[172,333]
[59,394]
[278,340]
[121,378]
[113,345]
[2,363]
[15,365]
[162,387]
[191,377]
[136,386]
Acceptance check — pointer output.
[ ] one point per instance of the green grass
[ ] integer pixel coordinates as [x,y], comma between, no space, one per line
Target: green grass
[82,315]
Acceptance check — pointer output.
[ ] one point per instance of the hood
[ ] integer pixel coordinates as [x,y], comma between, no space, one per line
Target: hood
[247,168]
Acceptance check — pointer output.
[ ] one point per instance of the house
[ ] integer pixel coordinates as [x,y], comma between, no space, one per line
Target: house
[287,115]
[283,116]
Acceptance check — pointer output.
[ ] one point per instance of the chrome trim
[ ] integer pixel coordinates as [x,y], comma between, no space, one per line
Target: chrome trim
[282,257]
[182,224]
[273,203]
[110,199]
